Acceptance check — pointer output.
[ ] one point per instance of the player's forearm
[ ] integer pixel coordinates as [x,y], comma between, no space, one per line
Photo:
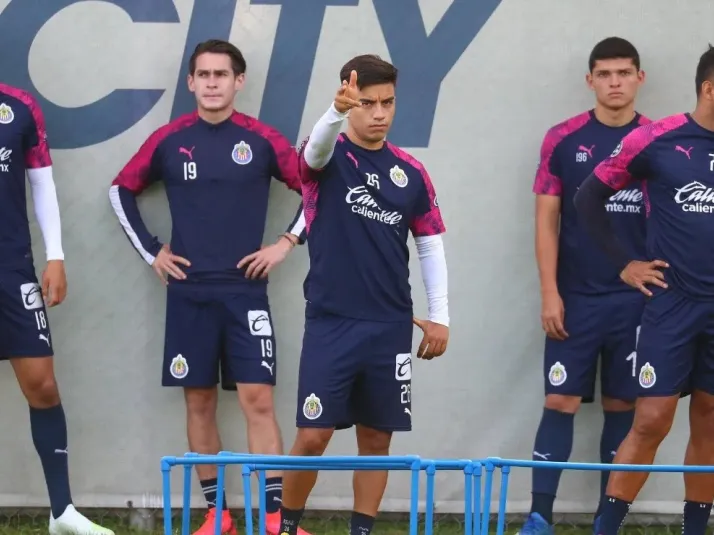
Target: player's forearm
[321,144]
[590,203]
[127,211]
[547,236]
[434,273]
[298,226]
[546,245]
[47,212]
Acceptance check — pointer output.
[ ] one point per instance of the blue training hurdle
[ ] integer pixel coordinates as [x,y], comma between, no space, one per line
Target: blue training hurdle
[478,489]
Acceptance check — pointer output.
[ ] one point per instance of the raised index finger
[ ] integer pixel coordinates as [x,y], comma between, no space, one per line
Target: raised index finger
[353,80]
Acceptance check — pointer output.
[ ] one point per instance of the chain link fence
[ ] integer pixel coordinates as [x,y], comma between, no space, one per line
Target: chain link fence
[150,521]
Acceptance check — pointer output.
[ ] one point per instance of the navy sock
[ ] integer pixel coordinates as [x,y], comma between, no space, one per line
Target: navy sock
[49,434]
[553,442]
[361,524]
[614,430]
[210,492]
[696,518]
[273,494]
[613,513]
[289,520]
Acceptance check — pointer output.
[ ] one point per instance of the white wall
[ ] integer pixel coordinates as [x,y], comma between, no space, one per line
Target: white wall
[522,73]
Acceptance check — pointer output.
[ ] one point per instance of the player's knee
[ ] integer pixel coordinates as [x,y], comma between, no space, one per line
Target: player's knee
[201,402]
[373,442]
[653,420]
[561,403]
[701,415]
[41,391]
[257,402]
[312,441]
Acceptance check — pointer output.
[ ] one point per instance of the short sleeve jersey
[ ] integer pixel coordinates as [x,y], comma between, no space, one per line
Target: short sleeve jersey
[23,146]
[359,210]
[674,159]
[569,153]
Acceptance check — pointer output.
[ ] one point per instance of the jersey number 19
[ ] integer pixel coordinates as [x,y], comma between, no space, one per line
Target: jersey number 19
[189,170]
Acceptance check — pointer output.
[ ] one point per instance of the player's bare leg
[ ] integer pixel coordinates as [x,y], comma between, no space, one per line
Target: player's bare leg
[699,488]
[37,381]
[653,420]
[203,437]
[298,484]
[553,442]
[264,438]
[369,486]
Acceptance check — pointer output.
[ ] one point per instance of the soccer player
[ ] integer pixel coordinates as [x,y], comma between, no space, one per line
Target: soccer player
[674,157]
[588,313]
[217,166]
[362,195]
[24,328]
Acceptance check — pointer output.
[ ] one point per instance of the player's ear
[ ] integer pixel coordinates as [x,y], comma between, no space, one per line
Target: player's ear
[190,83]
[641,76]
[589,80]
[240,80]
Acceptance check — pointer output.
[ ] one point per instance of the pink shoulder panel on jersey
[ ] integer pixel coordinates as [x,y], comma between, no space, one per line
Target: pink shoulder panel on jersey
[307,173]
[430,223]
[38,156]
[135,174]
[615,170]
[285,153]
[547,183]
[643,120]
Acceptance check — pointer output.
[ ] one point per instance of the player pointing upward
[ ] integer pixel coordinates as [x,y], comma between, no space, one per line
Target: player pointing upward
[362,196]
[217,166]
[674,156]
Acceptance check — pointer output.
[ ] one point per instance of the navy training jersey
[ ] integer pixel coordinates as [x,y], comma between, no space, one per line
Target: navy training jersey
[23,146]
[569,153]
[674,157]
[217,179]
[359,210]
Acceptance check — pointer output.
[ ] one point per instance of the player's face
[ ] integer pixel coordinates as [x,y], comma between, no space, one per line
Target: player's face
[372,120]
[214,83]
[615,82]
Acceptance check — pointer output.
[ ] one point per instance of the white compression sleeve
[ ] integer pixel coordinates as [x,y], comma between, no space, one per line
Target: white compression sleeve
[323,137]
[47,212]
[434,273]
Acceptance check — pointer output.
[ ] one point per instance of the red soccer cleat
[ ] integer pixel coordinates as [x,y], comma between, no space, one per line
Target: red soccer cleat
[209,526]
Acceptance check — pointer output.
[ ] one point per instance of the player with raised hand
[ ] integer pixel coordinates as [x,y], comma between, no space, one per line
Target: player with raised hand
[25,338]
[675,351]
[362,196]
[588,314]
[217,165]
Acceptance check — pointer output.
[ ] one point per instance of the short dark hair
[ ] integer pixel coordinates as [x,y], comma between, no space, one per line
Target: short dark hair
[371,70]
[705,69]
[218,46]
[614,48]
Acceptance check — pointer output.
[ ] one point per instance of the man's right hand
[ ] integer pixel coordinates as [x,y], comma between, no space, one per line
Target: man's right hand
[165,264]
[638,273]
[552,315]
[347,95]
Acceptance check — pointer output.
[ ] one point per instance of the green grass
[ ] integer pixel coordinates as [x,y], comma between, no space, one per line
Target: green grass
[26,525]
